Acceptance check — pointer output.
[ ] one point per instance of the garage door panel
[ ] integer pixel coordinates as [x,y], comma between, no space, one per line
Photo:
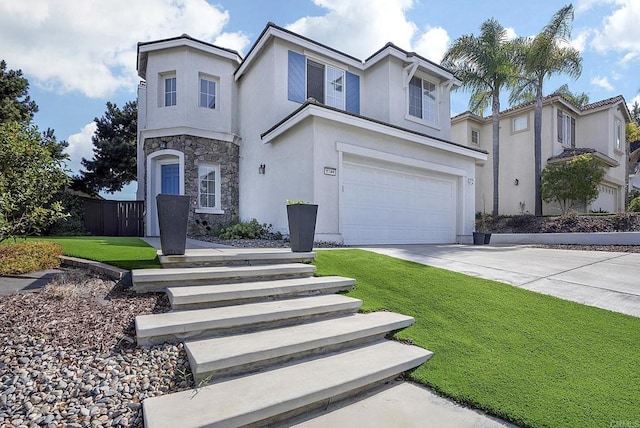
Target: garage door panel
[382,205]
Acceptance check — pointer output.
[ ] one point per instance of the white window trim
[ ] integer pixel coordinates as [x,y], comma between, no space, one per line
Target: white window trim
[162,77]
[214,79]
[422,120]
[477,131]
[325,81]
[618,135]
[513,124]
[216,209]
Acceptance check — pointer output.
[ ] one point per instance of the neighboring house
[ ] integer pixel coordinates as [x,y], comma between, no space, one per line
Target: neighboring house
[368,141]
[567,131]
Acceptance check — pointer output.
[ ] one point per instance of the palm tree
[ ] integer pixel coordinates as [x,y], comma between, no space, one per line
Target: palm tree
[485,65]
[541,57]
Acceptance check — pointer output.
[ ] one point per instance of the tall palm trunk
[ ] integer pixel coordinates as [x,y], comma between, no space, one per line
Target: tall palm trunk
[495,119]
[537,149]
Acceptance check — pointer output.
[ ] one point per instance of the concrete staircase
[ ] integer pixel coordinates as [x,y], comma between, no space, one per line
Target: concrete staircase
[266,340]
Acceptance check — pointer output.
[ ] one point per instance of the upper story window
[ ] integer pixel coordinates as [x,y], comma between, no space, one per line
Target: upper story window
[170,92]
[423,100]
[475,137]
[566,129]
[617,137]
[520,123]
[207,93]
[308,78]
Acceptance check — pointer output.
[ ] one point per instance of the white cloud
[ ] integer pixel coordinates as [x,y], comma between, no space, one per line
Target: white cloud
[603,82]
[579,42]
[90,45]
[585,5]
[433,43]
[377,22]
[80,146]
[511,33]
[620,31]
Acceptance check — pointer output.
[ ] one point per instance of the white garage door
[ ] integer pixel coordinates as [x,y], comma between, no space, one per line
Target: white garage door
[386,205]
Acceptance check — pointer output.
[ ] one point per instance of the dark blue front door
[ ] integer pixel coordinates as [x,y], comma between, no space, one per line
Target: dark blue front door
[170,179]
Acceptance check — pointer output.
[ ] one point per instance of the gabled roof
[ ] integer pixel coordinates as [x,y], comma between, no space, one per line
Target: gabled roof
[571,153]
[184,40]
[311,107]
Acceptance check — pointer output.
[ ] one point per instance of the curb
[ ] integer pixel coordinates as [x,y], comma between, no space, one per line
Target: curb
[120,275]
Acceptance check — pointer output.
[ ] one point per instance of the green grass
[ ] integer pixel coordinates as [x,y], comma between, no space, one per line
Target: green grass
[528,358]
[123,252]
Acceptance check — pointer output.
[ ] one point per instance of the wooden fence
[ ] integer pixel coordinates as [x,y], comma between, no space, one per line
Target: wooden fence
[113,218]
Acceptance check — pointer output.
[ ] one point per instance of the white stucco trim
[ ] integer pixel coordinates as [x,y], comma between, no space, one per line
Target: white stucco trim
[402,160]
[317,111]
[298,41]
[187,130]
[153,160]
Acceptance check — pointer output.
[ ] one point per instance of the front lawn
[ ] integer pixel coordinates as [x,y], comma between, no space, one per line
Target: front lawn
[123,252]
[529,358]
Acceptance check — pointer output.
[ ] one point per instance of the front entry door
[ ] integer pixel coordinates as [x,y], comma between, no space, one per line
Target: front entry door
[170,179]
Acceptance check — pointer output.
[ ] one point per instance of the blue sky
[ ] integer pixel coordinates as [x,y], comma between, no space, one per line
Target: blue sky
[79,54]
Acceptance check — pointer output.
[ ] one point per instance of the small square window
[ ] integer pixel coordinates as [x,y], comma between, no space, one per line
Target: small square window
[520,123]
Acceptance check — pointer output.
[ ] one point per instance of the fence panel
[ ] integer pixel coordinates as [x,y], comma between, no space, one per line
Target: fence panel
[113,218]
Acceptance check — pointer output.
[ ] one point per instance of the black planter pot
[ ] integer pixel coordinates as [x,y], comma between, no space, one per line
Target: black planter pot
[173,213]
[487,238]
[302,226]
[478,238]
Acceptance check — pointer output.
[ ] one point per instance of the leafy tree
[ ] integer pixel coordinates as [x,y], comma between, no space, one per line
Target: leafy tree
[545,55]
[485,65]
[572,182]
[579,100]
[114,161]
[15,103]
[30,176]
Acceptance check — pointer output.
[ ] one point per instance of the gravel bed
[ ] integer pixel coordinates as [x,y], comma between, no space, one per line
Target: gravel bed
[260,243]
[614,248]
[68,356]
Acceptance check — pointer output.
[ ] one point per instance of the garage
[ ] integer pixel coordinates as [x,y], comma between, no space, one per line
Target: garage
[385,203]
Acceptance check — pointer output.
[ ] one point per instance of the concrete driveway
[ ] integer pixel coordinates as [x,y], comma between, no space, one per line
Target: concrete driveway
[606,280]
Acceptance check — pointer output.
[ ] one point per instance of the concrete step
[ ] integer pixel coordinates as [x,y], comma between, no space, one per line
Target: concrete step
[200,323]
[229,355]
[157,280]
[270,396]
[234,256]
[201,296]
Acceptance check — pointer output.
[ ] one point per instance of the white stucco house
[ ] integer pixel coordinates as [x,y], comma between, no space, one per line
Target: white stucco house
[567,131]
[368,141]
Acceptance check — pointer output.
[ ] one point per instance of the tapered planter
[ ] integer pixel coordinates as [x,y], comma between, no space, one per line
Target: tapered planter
[302,226]
[478,238]
[173,213]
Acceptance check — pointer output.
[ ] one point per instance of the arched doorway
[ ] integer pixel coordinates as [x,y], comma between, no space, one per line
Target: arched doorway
[165,174]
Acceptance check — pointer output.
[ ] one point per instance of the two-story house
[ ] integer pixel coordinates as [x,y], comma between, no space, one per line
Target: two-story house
[567,131]
[368,141]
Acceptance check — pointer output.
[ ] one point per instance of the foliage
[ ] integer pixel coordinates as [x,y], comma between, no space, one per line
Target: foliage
[30,175]
[25,257]
[634,205]
[573,181]
[632,132]
[532,359]
[539,58]
[296,202]
[114,160]
[15,103]
[123,252]
[73,225]
[246,230]
[485,65]
[578,100]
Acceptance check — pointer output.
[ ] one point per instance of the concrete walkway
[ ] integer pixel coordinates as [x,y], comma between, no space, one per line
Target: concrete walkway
[607,280]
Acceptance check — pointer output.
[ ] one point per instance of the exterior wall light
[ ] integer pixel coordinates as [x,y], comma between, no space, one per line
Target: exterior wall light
[163,145]
[516,182]
[262,168]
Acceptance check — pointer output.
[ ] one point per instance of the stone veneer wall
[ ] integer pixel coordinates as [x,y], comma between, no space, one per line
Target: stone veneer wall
[204,150]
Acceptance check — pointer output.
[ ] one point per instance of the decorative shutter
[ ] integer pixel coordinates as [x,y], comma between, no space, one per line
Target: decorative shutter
[573,132]
[296,78]
[353,93]
[559,126]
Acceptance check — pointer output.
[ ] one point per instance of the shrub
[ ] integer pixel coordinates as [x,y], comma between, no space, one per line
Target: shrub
[248,230]
[25,257]
[634,205]
[73,225]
